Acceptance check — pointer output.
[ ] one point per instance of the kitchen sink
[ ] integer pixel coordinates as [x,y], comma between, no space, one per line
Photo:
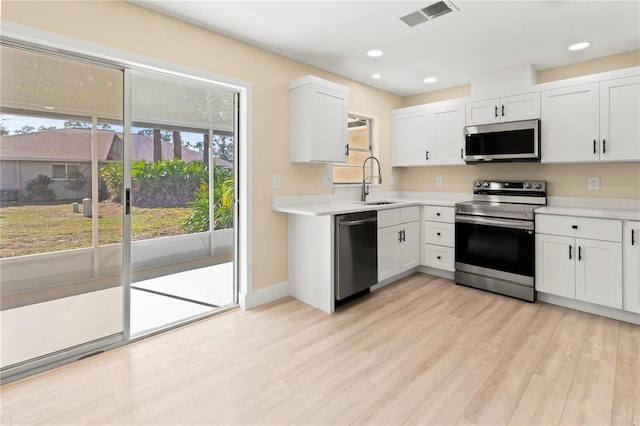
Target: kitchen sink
[378,203]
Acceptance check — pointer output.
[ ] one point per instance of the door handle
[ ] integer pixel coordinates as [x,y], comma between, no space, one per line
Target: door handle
[570,256]
[579,253]
[404,235]
[496,111]
[400,236]
[346,150]
[503,110]
[127,201]
[427,154]
[633,233]
[594,147]
[604,146]
[461,153]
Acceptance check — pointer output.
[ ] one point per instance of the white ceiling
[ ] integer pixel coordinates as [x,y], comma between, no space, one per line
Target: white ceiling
[483,36]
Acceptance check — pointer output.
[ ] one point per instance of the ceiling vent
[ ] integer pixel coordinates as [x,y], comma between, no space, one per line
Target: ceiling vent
[428,13]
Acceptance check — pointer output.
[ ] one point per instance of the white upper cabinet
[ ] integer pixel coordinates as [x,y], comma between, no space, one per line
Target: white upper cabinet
[410,133]
[318,120]
[511,108]
[428,136]
[447,136]
[592,122]
[619,119]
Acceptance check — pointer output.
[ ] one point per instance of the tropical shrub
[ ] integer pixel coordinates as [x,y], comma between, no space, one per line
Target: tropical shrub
[198,220]
[111,174]
[38,188]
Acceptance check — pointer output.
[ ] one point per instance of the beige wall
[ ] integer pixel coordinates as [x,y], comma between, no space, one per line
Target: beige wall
[124,26]
[617,180]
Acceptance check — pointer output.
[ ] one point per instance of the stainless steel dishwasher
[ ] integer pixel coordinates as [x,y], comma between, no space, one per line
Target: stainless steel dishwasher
[356,253]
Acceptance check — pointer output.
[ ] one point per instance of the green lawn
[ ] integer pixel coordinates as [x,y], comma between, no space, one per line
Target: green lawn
[47,227]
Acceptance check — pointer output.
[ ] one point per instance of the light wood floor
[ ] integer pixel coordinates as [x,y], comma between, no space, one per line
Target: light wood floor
[420,351]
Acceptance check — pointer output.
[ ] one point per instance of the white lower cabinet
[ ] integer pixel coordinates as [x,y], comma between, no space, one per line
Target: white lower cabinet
[398,241]
[586,269]
[439,237]
[631,266]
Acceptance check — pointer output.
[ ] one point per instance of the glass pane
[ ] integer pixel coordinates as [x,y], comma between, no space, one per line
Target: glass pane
[67,292]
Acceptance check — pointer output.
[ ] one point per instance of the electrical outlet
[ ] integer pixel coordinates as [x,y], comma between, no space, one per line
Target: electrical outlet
[276,182]
[325,181]
[439,181]
[392,181]
[593,184]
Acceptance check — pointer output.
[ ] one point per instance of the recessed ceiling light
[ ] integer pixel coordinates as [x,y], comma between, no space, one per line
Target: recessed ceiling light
[374,53]
[49,107]
[376,76]
[579,46]
[430,80]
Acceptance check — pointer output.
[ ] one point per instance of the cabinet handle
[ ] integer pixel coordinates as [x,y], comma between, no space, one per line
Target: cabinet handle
[438,257]
[633,233]
[570,255]
[427,154]
[496,111]
[579,253]
[604,146]
[404,235]
[400,236]
[574,226]
[346,150]
[438,214]
[438,234]
[503,110]
[595,151]
[461,153]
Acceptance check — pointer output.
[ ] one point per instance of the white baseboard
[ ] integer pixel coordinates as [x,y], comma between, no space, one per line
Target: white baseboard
[579,305]
[263,295]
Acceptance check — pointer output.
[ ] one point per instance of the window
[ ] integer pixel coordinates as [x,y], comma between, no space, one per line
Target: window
[359,140]
[64,171]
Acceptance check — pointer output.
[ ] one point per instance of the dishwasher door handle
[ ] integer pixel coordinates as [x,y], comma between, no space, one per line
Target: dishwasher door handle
[358,222]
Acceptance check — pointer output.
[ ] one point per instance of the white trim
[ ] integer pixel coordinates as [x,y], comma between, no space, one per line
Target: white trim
[579,305]
[264,295]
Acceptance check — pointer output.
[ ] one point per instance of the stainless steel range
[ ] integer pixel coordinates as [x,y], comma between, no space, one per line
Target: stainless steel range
[495,241]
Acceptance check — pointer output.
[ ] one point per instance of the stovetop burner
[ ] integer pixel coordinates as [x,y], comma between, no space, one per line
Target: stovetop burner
[505,199]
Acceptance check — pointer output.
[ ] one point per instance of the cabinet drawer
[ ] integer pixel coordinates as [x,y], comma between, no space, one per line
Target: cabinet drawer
[580,227]
[409,214]
[438,233]
[439,214]
[439,257]
[388,217]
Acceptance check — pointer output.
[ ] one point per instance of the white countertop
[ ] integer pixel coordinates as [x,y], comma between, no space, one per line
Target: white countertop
[624,214]
[321,207]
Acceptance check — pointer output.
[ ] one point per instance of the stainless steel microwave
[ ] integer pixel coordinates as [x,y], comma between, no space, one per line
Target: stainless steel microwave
[513,141]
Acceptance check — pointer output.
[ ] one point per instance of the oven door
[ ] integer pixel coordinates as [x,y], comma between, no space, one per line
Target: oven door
[499,248]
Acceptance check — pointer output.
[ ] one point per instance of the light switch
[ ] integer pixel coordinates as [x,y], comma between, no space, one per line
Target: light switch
[276,182]
[593,183]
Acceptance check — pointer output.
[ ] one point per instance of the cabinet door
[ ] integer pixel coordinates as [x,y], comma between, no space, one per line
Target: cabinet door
[555,266]
[410,139]
[521,107]
[599,272]
[388,252]
[570,124]
[631,266]
[447,136]
[619,112]
[328,125]
[410,246]
[482,112]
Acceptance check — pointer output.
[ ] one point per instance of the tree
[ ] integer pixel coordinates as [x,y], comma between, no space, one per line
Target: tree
[70,124]
[177,145]
[223,147]
[157,146]
[76,180]
[24,130]
[165,135]
[3,130]
[44,129]
[205,150]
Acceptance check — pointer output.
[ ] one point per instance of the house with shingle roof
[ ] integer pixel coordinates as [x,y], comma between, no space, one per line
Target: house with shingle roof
[60,152]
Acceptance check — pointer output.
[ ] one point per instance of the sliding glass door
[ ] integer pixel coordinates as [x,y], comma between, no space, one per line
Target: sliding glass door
[61,240]
[182,200]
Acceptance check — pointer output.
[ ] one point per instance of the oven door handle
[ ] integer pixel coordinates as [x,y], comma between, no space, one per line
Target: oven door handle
[501,223]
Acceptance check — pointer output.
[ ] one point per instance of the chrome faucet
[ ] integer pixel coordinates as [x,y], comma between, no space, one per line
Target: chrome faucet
[365,187]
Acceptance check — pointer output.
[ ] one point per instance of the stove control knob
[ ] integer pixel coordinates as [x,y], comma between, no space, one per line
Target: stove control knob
[538,185]
[527,185]
[486,184]
[478,184]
